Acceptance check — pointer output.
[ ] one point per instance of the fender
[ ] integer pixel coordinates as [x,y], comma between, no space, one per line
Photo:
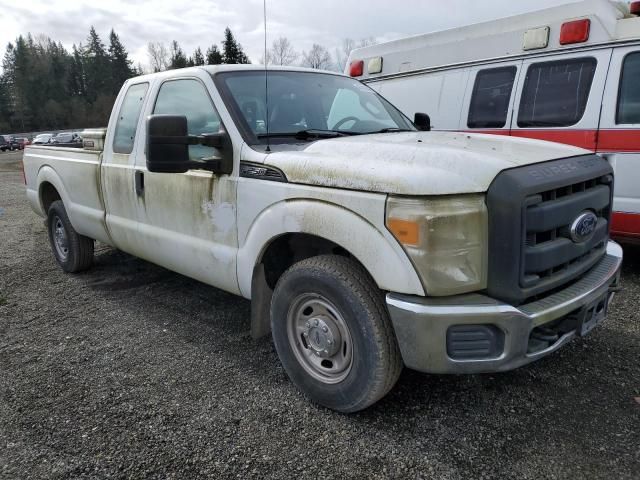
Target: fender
[376,250]
[86,220]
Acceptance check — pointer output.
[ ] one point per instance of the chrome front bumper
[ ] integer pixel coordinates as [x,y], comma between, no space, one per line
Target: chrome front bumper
[421,324]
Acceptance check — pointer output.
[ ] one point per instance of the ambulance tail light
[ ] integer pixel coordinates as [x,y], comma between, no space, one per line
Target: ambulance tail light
[356,68]
[576,31]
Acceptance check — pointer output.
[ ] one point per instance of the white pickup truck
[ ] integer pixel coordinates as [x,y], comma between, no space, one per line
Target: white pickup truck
[364,241]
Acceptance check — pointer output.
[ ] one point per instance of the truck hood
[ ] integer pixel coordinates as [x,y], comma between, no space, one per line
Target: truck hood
[414,163]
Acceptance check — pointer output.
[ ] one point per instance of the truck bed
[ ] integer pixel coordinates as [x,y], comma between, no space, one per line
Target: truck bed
[73,175]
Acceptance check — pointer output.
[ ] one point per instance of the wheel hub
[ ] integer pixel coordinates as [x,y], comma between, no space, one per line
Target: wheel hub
[60,238]
[320,338]
[323,336]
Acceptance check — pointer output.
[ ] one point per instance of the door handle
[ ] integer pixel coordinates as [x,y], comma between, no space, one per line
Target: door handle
[139,177]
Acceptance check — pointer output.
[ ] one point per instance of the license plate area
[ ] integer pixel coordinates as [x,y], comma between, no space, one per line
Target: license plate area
[592,314]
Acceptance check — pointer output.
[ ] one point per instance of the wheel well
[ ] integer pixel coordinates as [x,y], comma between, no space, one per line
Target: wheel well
[281,253]
[290,248]
[48,195]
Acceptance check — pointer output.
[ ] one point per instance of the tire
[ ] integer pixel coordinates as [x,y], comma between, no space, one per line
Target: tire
[356,361]
[73,252]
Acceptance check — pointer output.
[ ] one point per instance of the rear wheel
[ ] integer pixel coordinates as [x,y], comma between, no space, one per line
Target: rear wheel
[332,333]
[73,252]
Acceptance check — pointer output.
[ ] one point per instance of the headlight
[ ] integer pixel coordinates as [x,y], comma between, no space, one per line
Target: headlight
[446,239]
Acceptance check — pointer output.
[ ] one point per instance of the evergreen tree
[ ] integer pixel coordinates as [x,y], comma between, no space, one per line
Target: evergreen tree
[5,111]
[7,104]
[198,58]
[97,67]
[178,59]
[214,56]
[20,74]
[121,68]
[76,80]
[231,50]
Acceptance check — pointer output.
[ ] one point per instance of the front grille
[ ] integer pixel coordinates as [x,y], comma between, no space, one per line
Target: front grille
[531,210]
[550,254]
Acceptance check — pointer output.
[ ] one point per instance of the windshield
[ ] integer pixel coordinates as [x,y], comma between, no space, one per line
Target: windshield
[306,102]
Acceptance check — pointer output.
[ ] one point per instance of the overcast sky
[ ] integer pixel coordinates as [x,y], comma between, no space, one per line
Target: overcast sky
[202,22]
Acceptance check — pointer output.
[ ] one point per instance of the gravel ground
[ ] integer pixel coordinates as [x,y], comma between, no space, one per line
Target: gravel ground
[129,370]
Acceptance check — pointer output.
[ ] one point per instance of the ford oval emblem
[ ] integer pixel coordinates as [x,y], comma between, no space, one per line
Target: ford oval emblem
[583,227]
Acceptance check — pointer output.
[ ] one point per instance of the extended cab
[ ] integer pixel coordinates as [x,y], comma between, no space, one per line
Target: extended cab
[363,243]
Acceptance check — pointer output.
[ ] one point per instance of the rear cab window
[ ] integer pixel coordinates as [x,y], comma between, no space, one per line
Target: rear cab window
[628,109]
[555,94]
[128,118]
[490,98]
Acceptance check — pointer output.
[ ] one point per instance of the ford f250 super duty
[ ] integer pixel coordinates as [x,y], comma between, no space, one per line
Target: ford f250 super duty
[364,241]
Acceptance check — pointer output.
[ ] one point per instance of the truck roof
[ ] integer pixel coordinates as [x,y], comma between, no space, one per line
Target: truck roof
[610,21]
[228,68]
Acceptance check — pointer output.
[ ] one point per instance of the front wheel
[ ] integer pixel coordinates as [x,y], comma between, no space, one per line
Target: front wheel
[333,335]
[73,252]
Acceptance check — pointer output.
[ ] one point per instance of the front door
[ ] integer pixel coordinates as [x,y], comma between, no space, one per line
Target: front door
[187,221]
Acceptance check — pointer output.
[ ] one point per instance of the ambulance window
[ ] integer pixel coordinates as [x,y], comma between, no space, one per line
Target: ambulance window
[490,98]
[555,94]
[629,98]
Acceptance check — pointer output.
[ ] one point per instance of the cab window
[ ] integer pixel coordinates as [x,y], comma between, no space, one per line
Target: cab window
[490,98]
[629,97]
[555,94]
[189,97]
[128,118]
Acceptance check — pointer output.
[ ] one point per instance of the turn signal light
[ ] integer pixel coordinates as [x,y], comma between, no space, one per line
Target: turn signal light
[575,32]
[356,69]
[406,231]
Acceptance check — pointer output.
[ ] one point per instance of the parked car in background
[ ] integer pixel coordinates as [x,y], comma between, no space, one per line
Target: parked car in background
[7,142]
[67,138]
[43,138]
[22,142]
[567,74]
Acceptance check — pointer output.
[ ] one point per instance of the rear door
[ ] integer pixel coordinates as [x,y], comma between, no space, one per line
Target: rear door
[116,169]
[559,97]
[489,98]
[619,137]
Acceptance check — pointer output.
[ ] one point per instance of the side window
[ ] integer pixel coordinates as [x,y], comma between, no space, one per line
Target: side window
[128,118]
[629,97]
[490,98]
[189,98]
[555,94]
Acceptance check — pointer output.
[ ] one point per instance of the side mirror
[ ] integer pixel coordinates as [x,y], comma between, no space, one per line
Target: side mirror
[422,121]
[168,143]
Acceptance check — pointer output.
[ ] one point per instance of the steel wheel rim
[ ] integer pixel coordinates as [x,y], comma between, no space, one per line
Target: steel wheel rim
[320,338]
[60,239]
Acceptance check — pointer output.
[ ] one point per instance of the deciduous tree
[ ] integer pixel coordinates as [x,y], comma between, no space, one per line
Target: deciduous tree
[318,57]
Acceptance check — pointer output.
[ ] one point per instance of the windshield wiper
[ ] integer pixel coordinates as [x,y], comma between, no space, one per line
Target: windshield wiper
[309,133]
[390,130]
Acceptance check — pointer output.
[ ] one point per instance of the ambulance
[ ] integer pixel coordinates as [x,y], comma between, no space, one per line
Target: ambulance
[568,74]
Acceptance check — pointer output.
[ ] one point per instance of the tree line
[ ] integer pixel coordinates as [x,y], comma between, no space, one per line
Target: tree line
[43,86]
